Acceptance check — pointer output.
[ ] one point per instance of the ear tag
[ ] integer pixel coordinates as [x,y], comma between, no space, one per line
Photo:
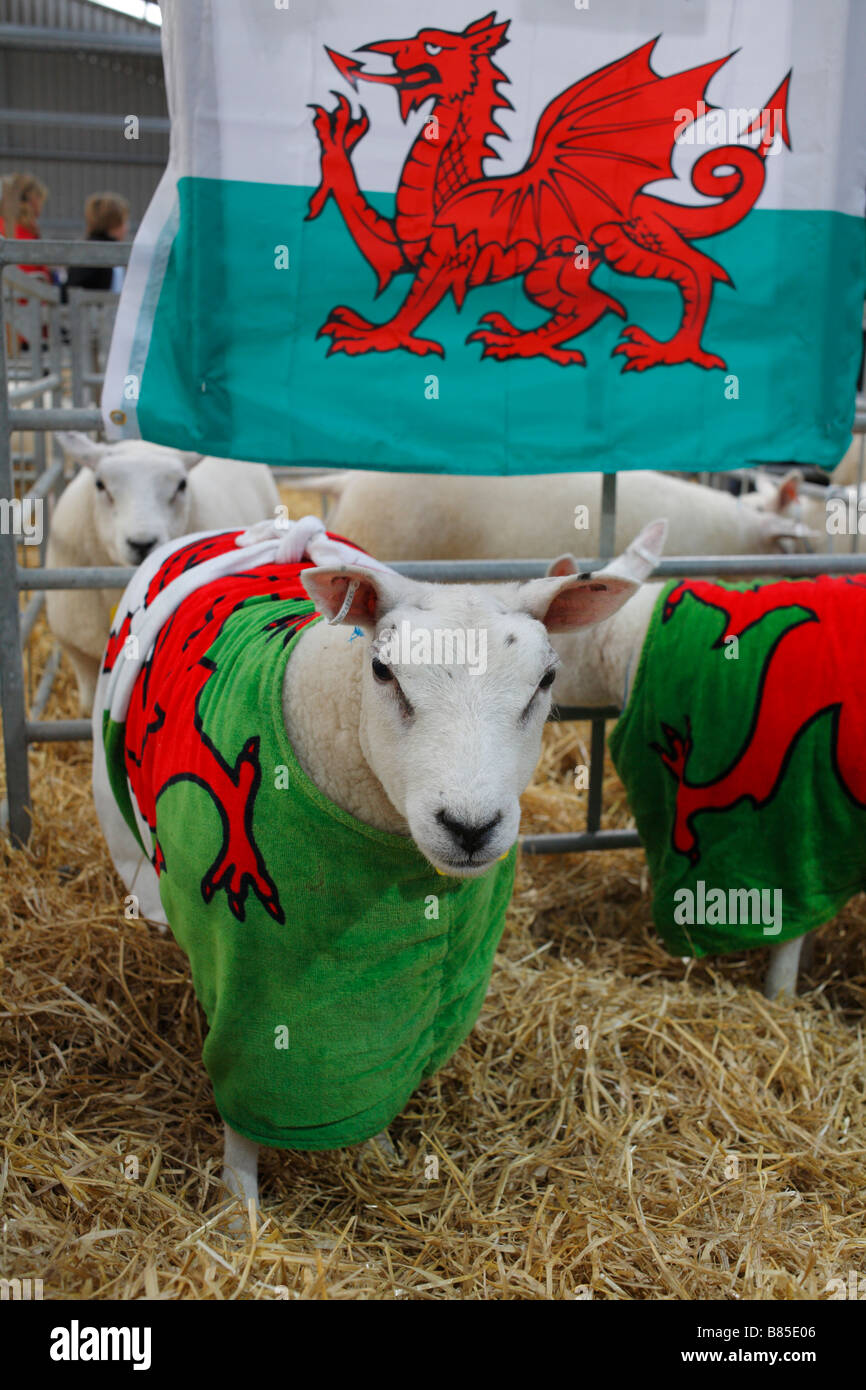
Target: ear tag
[346,604]
[644,554]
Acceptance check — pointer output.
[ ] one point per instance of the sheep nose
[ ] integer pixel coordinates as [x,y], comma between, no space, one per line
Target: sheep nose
[141,547]
[470,838]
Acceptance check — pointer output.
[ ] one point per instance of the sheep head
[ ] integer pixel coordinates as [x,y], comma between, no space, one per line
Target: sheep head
[140,497]
[456,688]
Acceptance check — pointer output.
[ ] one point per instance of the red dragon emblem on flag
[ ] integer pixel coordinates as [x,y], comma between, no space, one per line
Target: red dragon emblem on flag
[578,203]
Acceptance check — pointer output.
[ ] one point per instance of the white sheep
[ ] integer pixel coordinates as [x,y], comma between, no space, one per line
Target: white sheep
[128,498]
[405,799]
[433,517]
[830,515]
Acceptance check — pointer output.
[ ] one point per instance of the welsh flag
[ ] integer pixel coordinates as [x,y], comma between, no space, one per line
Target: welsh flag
[425,237]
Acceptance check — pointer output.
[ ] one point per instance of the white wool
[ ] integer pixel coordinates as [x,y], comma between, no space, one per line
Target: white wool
[431,517]
[847,470]
[149,494]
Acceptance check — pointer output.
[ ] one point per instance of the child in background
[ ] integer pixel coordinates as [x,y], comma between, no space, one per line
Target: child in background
[22,198]
[107,218]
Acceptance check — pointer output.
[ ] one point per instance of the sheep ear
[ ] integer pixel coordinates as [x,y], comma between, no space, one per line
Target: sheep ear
[565,564]
[570,600]
[639,559]
[189,460]
[78,447]
[778,496]
[374,593]
[579,600]
[637,562]
[789,489]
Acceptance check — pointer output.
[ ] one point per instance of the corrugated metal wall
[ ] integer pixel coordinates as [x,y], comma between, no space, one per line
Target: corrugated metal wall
[48,79]
[71,14]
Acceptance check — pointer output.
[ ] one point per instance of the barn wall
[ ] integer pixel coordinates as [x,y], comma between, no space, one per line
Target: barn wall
[69,74]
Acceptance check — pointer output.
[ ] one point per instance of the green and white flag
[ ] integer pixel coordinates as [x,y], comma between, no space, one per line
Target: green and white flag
[425,237]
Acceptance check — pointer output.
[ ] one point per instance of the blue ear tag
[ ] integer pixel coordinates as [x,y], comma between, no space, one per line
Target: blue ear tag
[356,632]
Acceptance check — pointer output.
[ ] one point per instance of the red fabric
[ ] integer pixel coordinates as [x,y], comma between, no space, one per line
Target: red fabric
[163,737]
[814,666]
[23,233]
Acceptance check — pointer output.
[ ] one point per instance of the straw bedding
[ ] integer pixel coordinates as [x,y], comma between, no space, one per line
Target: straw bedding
[694,1142]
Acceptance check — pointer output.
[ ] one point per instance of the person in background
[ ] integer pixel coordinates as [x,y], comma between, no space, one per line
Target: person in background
[22,197]
[107,218]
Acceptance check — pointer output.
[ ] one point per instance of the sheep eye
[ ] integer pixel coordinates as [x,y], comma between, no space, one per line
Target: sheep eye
[433,49]
[547,680]
[382,672]
[100,485]
[181,487]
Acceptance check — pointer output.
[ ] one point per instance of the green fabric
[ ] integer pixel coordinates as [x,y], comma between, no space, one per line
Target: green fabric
[114,739]
[806,841]
[376,992]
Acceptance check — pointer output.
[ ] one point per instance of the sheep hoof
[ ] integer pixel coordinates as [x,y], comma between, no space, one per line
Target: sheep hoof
[240,1176]
[241,1223]
[382,1144]
[784,965]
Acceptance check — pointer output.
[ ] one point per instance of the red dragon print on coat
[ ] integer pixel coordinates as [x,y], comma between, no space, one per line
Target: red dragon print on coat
[597,145]
[814,666]
[164,739]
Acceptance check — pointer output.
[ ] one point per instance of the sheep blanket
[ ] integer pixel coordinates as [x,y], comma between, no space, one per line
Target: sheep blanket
[743,752]
[335,966]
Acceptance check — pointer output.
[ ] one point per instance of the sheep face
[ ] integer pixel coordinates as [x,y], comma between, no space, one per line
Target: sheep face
[456,687]
[140,495]
[788,519]
[452,708]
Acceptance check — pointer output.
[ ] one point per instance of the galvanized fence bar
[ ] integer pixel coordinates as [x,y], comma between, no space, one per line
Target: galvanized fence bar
[58,730]
[52,251]
[98,577]
[565,714]
[607,530]
[87,325]
[76,338]
[46,481]
[12,694]
[60,418]
[40,328]
[22,391]
[606,541]
[579,843]
[596,774]
[855,538]
[43,689]
[19,282]
[676,567]
[497,571]
[29,614]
